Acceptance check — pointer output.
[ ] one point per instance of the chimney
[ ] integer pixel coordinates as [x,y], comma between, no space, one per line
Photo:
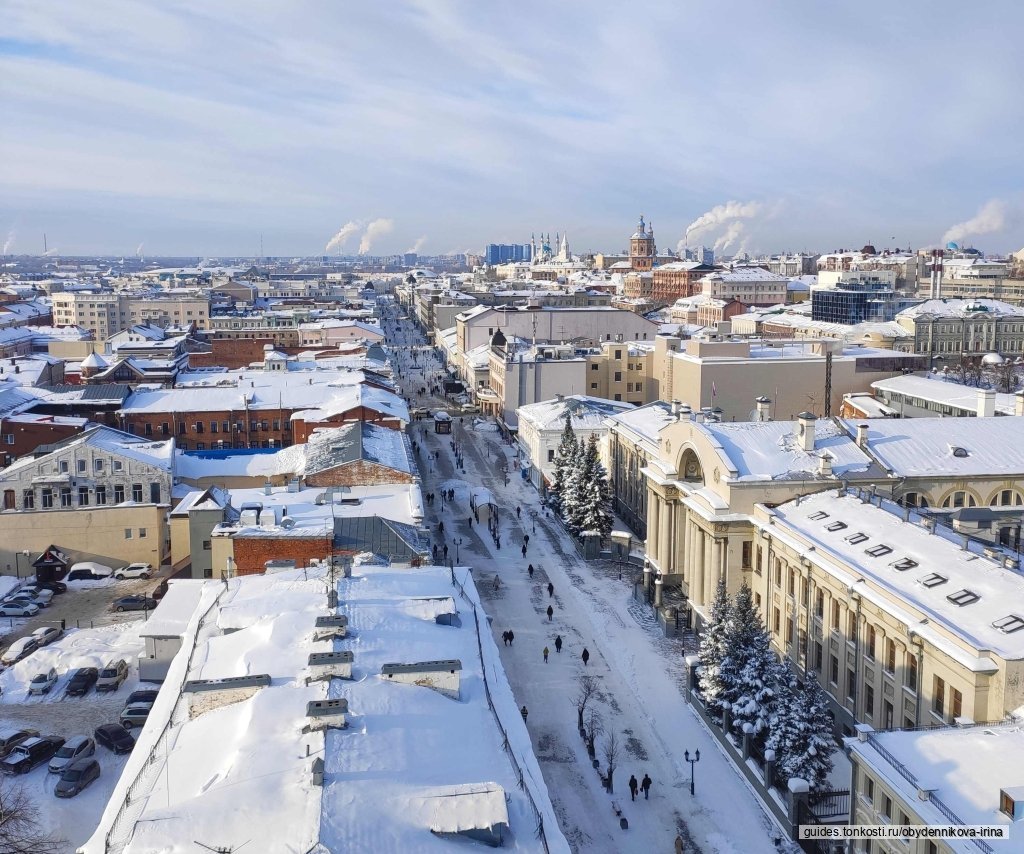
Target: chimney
[763,408]
[825,465]
[986,402]
[1019,403]
[805,430]
[675,407]
[862,436]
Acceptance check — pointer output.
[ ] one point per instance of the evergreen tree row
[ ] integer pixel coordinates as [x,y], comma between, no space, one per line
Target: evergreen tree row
[579,490]
[740,674]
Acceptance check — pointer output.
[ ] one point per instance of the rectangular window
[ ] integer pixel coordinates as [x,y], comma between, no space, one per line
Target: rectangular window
[851,686]
[154,493]
[890,656]
[142,533]
[147,429]
[745,551]
[225,426]
[618,376]
[593,385]
[181,428]
[64,467]
[213,426]
[819,604]
[28,499]
[199,427]
[851,626]
[833,670]
[869,701]
[206,545]
[835,614]
[9,438]
[791,583]
[939,696]
[956,703]
[127,533]
[137,492]
[776,620]
[97,465]
[101,495]
[82,466]
[818,652]
[118,493]
[83,496]
[65,496]
[869,646]
[47,499]
[911,676]
[165,429]
[789,629]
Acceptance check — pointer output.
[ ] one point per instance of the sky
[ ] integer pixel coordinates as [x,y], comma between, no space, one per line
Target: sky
[195,128]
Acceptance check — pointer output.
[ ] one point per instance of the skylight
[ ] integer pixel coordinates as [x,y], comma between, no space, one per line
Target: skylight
[835,526]
[817,517]
[1009,624]
[963,597]
[879,550]
[904,564]
[853,539]
[960,452]
[934,580]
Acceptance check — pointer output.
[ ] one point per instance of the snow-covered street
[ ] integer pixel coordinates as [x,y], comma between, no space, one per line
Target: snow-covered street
[638,671]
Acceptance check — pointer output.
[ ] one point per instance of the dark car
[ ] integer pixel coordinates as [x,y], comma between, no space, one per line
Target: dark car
[82,680]
[57,587]
[133,603]
[114,737]
[144,695]
[160,590]
[30,753]
[76,777]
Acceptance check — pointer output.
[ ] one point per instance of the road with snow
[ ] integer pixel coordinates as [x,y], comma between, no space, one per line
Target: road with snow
[639,672]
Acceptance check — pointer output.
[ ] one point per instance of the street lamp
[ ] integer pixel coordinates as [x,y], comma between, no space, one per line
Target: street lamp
[694,761]
[458,542]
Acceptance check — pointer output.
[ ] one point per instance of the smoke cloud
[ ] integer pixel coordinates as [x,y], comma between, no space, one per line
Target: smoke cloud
[418,245]
[9,242]
[349,229]
[49,252]
[138,252]
[992,217]
[724,220]
[377,228]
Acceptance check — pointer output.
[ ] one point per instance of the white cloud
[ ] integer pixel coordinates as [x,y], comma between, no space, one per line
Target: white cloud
[349,229]
[376,229]
[990,219]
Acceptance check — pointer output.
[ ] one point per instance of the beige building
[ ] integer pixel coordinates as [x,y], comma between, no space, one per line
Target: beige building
[749,285]
[946,329]
[108,313]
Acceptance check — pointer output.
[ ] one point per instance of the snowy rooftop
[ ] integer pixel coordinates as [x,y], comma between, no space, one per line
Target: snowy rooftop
[587,413]
[155,454]
[929,447]
[963,308]
[242,770]
[932,557]
[966,769]
[936,389]
[770,450]
[746,274]
[645,421]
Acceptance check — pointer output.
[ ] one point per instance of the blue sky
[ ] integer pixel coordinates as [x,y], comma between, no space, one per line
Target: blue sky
[193,127]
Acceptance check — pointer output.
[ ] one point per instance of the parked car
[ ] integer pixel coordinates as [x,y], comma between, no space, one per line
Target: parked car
[114,737]
[160,590]
[469,408]
[76,777]
[18,609]
[40,595]
[133,603]
[135,715]
[21,648]
[11,737]
[144,695]
[31,753]
[88,570]
[112,675]
[81,681]
[42,682]
[47,634]
[57,587]
[74,748]
[134,570]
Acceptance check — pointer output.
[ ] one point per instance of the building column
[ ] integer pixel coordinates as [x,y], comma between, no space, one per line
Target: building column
[653,513]
[665,533]
[679,545]
[697,565]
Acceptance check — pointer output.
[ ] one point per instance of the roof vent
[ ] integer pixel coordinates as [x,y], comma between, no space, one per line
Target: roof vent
[327,714]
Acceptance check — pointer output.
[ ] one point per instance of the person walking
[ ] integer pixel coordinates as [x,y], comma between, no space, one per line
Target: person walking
[504,638]
[524,549]
[519,510]
[645,784]
[545,655]
[633,787]
[551,613]
[551,590]
[585,655]
[511,637]
[558,643]
[526,539]
[523,711]
[529,569]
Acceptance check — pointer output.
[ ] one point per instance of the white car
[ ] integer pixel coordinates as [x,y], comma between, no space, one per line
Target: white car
[42,682]
[134,570]
[47,634]
[74,748]
[21,648]
[16,609]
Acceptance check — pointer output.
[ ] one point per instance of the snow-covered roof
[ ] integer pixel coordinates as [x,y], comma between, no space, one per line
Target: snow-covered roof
[925,609]
[927,447]
[963,308]
[770,450]
[587,413]
[965,769]
[175,610]
[357,441]
[125,445]
[243,769]
[645,422]
[745,274]
[937,390]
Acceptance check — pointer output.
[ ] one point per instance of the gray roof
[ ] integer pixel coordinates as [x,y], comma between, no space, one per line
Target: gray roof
[113,392]
[395,540]
[358,441]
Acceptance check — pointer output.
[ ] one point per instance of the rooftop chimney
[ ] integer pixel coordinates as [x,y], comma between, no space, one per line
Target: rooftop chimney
[862,436]
[805,430]
[763,408]
[825,465]
[986,402]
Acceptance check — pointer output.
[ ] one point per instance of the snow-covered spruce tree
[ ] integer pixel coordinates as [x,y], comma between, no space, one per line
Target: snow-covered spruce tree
[801,733]
[748,669]
[713,647]
[564,456]
[594,492]
[573,489]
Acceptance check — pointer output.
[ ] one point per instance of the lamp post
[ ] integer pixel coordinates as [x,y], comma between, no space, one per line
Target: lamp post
[694,761]
[458,542]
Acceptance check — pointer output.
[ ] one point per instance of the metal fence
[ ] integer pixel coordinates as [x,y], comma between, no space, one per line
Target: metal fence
[490,703]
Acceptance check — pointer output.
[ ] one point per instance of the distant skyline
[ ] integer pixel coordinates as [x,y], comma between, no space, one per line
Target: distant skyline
[440,126]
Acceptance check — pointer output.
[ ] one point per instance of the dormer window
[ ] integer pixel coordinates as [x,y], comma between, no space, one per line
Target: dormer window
[817,517]
[963,597]
[1009,625]
[933,580]
[879,550]
[854,539]
[904,564]
[835,526]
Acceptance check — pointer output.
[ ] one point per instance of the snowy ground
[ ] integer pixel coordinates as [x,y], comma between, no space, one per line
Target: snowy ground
[72,819]
[639,671]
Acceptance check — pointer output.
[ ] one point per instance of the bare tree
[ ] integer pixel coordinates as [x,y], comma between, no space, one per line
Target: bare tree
[586,689]
[611,757]
[593,728]
[1004,376]
[20,831]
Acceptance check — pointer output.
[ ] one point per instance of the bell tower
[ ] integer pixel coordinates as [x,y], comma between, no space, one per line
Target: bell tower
[641,247]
